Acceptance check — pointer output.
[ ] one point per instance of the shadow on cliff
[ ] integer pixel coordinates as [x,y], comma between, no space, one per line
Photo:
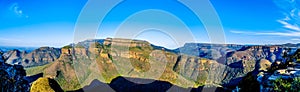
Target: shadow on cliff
[121,84]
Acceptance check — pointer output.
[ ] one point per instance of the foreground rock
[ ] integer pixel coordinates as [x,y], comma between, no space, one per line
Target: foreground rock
[127,84]
[12,77]
[45,85]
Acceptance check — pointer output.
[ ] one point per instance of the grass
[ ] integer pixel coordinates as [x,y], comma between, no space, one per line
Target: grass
[36,70]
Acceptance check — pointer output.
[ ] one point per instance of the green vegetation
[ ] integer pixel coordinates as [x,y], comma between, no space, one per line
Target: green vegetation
[107,62]
[291,85]
[298,61]
[36,70]
[67,83]
[41,85]
[67,47]
[142,66]
[202,77]
[297,56]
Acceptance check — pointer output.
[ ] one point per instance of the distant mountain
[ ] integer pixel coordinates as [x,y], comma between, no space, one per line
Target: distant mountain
[292,45]
[37,57]
[210,51]
[9,48]
[12,77]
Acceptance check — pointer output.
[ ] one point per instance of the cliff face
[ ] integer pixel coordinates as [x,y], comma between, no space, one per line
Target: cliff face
[227,64]
[79,65]
[280,74]
[140,60]
[195,65]
[37,57]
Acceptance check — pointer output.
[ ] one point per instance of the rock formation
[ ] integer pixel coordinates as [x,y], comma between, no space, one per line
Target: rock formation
[212,65]
[12,77]
[40,56]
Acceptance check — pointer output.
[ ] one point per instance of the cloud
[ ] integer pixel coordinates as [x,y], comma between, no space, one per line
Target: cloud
[294,35]
[291,11]
[291,20]
[287,33]
[295,39]
[289,26]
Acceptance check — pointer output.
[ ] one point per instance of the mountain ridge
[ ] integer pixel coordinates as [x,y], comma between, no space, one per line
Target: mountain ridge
[195,64]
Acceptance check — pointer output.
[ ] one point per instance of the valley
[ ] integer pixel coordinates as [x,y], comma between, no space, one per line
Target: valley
[193,67]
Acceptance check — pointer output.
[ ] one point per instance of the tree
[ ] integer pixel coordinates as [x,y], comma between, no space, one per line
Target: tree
[287,85]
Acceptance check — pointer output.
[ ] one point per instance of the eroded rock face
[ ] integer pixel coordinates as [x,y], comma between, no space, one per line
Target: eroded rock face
[225,65]
[40,56]
[229,68]
[206,71]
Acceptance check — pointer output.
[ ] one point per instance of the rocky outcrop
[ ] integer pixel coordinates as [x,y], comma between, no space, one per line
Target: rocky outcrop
[281,74]
[207,72]
[40,56]
[12,78]
[213,65]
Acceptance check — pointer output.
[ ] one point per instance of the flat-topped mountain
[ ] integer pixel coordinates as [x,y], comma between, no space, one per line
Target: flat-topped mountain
[193,65]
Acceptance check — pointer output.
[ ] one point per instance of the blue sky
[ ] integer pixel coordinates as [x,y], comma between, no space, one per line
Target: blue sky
[52,22]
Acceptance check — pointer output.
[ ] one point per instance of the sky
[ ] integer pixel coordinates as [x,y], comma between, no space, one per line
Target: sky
[168,23]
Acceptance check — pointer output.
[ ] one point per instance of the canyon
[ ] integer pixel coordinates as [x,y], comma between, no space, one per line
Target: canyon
[195,65]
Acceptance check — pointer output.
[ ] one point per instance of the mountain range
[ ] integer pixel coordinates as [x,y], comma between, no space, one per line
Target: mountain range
[106,60]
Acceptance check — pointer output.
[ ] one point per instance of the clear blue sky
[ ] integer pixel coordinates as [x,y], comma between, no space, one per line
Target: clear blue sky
[52,22]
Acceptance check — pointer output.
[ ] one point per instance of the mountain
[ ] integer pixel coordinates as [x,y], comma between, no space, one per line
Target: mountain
[8,48]
[193,65]
[104,57]
[210,51]
[37,57]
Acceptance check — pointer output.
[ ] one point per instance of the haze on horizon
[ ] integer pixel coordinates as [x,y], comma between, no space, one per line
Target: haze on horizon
[38,23]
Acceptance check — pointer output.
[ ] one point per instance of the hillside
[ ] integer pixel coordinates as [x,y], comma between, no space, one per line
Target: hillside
[194,65]
[37,57]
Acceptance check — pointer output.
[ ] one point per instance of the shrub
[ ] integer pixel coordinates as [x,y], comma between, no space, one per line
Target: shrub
[287,85]
[67,47]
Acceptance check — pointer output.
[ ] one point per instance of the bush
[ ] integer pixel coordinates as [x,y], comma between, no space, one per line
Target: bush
[67,47]
[287,85]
